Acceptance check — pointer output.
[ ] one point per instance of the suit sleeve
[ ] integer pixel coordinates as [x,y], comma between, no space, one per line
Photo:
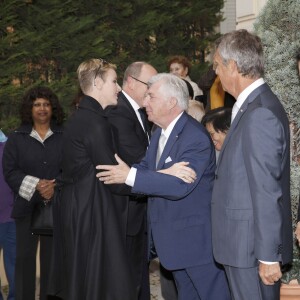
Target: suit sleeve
[197,151]
[264,145]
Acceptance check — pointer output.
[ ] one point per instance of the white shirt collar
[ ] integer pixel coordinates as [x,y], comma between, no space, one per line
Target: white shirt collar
[247,91]
[135,107]
[169,129]
[132,102]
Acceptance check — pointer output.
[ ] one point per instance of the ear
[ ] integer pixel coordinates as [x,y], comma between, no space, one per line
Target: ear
[172,102]
[186,71]
[232,66]
[130,82]
[98,82]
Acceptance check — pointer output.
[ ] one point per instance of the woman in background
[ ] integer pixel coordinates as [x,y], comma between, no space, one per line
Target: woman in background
[217,122]
[31,163]
[180,66]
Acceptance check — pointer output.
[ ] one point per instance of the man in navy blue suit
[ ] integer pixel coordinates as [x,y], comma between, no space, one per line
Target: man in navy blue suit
[178,206]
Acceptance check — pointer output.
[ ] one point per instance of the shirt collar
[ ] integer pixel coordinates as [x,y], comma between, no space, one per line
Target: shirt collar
[36,136]
[247,91]
[131,101]
[169,129]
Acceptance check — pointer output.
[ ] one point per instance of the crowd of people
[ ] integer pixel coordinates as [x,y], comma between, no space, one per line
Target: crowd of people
[148,171]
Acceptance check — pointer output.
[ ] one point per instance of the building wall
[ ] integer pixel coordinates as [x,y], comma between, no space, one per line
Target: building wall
[246,13]
[229,13]
[240,14]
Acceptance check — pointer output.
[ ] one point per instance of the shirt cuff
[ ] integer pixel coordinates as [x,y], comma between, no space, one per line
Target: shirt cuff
[28,187]
[269,262]
[131,177]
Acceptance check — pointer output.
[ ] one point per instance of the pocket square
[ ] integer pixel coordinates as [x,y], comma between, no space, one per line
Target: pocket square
[168,159]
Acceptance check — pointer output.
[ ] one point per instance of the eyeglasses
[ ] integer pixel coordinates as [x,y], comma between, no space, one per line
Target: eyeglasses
[143,82]
[102,63]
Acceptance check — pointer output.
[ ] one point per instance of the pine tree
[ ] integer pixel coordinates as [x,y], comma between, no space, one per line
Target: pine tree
[44,41]
[278,26]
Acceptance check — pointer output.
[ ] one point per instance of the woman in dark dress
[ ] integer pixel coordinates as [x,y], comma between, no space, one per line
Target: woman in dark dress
[31,163]
[93,217]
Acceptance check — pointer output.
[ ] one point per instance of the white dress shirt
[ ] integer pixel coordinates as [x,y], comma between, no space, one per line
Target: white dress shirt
[132,173]
[243,96]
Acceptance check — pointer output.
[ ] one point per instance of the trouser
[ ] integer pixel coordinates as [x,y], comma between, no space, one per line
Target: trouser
[25,272]
[245,284]
[8,245]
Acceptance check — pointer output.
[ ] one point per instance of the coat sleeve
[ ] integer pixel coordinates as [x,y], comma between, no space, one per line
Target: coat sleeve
[197,151]
[264,145]
[100,147]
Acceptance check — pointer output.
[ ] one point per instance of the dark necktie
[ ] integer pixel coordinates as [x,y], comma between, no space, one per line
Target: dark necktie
[145,122]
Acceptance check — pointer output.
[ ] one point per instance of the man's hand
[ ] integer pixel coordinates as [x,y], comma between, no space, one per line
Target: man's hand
[297,232]
[181,171]
[113,174]
[46,188]
[269,274]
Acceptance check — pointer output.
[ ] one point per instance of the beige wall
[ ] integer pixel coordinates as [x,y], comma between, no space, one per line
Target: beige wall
[240,14]
[246,13]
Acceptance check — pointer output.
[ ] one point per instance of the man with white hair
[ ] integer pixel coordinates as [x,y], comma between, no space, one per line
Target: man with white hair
[178,206]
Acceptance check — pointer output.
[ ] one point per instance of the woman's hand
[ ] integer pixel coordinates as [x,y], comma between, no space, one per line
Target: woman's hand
[46,188]
[181,171]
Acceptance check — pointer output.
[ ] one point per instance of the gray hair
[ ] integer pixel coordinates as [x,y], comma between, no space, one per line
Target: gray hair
[172,86]
[245,49]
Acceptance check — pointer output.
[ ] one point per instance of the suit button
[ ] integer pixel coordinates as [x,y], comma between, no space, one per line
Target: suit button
[216,176]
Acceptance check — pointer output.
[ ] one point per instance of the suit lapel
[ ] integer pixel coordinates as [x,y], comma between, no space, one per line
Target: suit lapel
[139,129]
[238,117]
[172,139]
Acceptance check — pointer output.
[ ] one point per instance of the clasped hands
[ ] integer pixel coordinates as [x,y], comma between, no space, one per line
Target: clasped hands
[46,188]
[117,174]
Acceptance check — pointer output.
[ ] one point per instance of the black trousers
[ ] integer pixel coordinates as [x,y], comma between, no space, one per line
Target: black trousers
[26,250]
[137,251]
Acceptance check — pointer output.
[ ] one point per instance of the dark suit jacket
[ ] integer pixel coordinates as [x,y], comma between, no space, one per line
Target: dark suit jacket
[179,213]
[131,143]
[24,155]
[251,213]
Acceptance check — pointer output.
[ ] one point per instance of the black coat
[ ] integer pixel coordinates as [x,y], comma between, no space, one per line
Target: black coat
[131,143]
[93,216]
[23,155]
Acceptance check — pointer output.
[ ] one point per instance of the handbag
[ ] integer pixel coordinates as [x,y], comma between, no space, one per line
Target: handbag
[42,218]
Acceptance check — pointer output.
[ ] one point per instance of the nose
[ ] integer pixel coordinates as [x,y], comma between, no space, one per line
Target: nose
[118,88]
[146,100]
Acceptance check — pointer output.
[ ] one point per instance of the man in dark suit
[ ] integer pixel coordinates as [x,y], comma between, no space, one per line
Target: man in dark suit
[178,207]
[251,213]
[132,132]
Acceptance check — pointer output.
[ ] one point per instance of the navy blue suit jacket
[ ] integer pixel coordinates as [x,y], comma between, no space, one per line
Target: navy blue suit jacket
[178,212]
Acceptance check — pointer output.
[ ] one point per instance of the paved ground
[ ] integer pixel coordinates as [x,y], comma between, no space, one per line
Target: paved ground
[154,283]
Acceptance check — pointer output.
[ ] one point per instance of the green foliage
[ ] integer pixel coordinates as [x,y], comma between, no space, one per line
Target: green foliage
[278,26]
[45,41]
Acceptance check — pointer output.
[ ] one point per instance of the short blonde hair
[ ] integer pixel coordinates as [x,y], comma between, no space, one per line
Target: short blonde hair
[90,69]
